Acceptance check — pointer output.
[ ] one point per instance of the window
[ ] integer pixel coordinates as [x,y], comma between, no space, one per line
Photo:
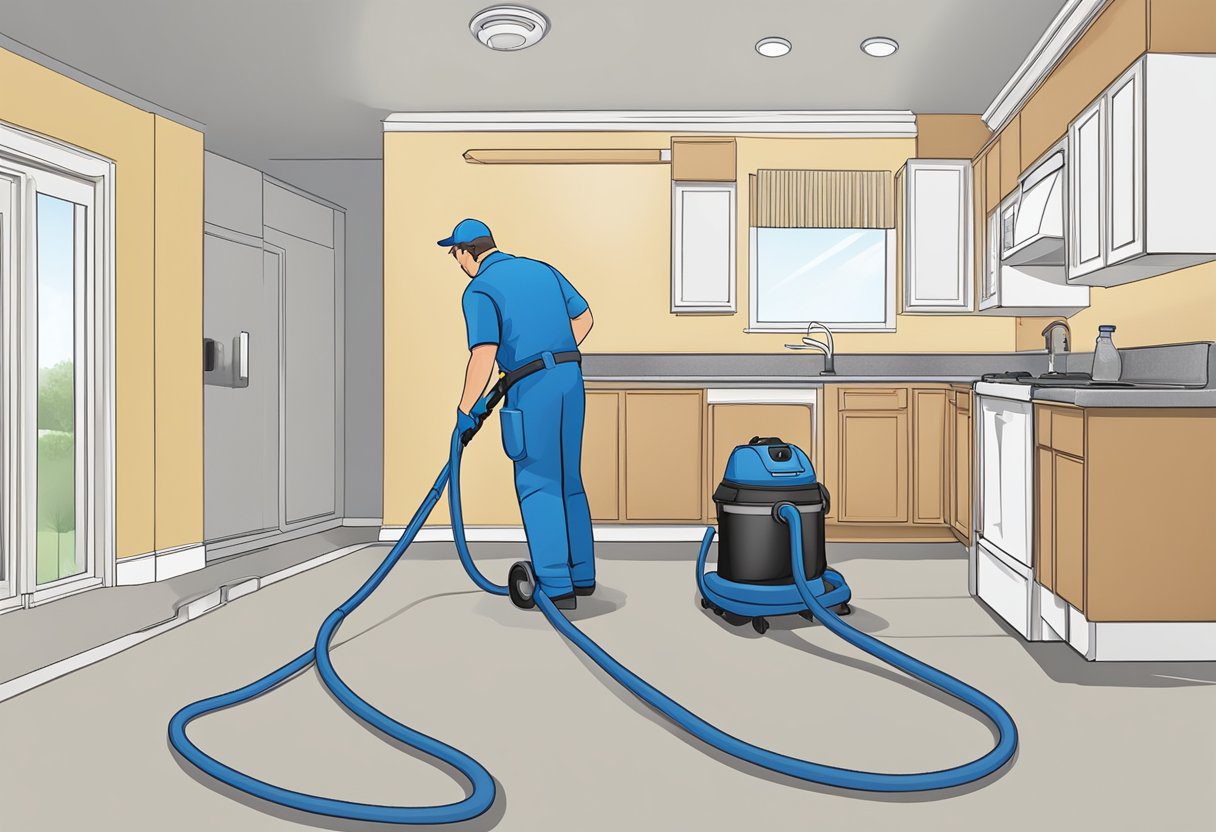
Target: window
[842,277]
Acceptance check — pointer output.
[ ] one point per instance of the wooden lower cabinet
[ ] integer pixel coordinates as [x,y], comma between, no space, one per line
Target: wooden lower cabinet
[1124,520]
[873,469]
[735,424]
[602,453]
[1068,522]
[664,450]
[896,458]
[1044,509]
[929,457]
[890,460]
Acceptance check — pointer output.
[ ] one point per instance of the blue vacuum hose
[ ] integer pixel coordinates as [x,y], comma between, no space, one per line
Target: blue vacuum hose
[792,766]
[482,794]
[483,790]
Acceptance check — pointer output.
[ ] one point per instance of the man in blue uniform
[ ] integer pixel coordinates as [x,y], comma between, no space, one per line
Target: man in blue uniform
[526,316]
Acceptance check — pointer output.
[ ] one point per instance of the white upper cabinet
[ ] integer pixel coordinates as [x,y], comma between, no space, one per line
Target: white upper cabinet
[1088,191]
[1140,173]
[937,236]
[703,247]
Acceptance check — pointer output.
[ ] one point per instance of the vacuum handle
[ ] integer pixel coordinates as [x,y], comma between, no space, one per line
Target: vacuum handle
[492,399]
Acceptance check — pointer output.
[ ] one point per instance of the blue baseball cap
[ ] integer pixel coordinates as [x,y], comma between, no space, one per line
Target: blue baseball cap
[466,231]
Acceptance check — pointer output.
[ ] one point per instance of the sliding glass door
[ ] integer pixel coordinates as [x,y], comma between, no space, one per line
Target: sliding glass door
[47,254]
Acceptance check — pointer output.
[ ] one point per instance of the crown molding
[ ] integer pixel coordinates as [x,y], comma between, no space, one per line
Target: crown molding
[838,123]
[1061,35]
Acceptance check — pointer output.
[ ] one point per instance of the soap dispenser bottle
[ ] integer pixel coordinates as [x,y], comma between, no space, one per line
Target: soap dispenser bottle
[1108,366]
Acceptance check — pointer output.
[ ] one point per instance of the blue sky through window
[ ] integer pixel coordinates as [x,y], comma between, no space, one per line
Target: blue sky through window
[835,275]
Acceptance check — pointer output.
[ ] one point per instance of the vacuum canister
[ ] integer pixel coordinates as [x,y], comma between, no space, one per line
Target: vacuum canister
[753,545]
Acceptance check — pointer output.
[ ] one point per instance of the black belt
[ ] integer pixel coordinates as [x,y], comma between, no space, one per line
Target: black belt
[507,380]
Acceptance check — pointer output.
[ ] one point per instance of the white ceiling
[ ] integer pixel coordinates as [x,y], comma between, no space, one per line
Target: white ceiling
[313,78]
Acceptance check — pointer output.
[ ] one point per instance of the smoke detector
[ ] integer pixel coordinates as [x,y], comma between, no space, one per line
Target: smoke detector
[509,28]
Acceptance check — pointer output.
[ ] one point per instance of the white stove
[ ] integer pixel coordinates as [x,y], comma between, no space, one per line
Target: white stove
[1002,564]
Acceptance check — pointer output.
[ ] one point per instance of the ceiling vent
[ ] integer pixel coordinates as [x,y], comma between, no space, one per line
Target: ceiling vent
[509,28]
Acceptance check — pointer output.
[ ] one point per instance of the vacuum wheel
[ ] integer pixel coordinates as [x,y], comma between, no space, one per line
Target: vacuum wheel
[521,585]
[843,608]
[704,603]
[735,620]
[808,615]
[760,625]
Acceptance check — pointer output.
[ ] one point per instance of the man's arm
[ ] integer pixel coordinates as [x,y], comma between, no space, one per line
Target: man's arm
[581,325]
[477,374]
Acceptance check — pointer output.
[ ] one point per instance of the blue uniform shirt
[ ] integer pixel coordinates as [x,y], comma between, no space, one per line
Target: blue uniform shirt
[524,306]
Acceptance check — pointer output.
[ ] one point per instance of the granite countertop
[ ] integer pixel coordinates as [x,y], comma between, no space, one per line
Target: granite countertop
[802,369]
[1159,397]
[777,381]
[1190,369]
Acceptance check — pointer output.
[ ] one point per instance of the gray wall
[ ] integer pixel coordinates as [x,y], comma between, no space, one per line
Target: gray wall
[357,185]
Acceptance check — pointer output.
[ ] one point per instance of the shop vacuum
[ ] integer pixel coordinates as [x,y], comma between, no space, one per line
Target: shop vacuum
[755,577]
[771,562]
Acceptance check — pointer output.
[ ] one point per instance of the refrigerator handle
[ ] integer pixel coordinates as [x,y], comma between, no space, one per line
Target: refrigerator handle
[241,351]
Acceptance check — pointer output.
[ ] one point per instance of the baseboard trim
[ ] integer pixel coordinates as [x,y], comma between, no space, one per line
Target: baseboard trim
[872,533]
[361,522]
[221,549]
[607,533]
[160,565]
[188,610]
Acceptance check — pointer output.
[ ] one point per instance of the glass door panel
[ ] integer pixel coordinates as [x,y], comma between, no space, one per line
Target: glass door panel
[59,267]
[8,584]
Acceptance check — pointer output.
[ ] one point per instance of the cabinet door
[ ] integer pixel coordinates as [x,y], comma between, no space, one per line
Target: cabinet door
[978,213]
[1087,190]
[703,247]
[948,458]
[937,245]
[873,468]
[929,457]
[1068,515]
[1044,549]
[990,286]
[735,424]
[602,454]
[1125,135]
[960,511]
[663,455]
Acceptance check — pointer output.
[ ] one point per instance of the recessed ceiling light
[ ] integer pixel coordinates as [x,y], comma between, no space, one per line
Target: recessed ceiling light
[773,47]
[509,28]
[879,47]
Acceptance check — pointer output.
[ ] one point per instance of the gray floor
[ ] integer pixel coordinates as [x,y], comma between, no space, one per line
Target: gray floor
[34,638]
[1126,746]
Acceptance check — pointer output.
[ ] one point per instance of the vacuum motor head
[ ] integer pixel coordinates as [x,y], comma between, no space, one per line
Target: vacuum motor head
[767,461]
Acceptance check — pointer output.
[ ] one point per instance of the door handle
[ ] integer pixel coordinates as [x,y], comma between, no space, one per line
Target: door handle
[240,350]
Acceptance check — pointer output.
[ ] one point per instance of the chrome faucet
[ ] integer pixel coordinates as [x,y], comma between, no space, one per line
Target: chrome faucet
[828,349]
[1049,339]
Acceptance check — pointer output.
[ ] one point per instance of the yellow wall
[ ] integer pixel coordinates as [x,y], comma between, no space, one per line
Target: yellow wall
[608,228]
[1169,309]
[179,335]
[45,102]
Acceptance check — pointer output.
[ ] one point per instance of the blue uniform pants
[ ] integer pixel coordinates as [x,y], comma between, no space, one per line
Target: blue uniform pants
[543,434]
